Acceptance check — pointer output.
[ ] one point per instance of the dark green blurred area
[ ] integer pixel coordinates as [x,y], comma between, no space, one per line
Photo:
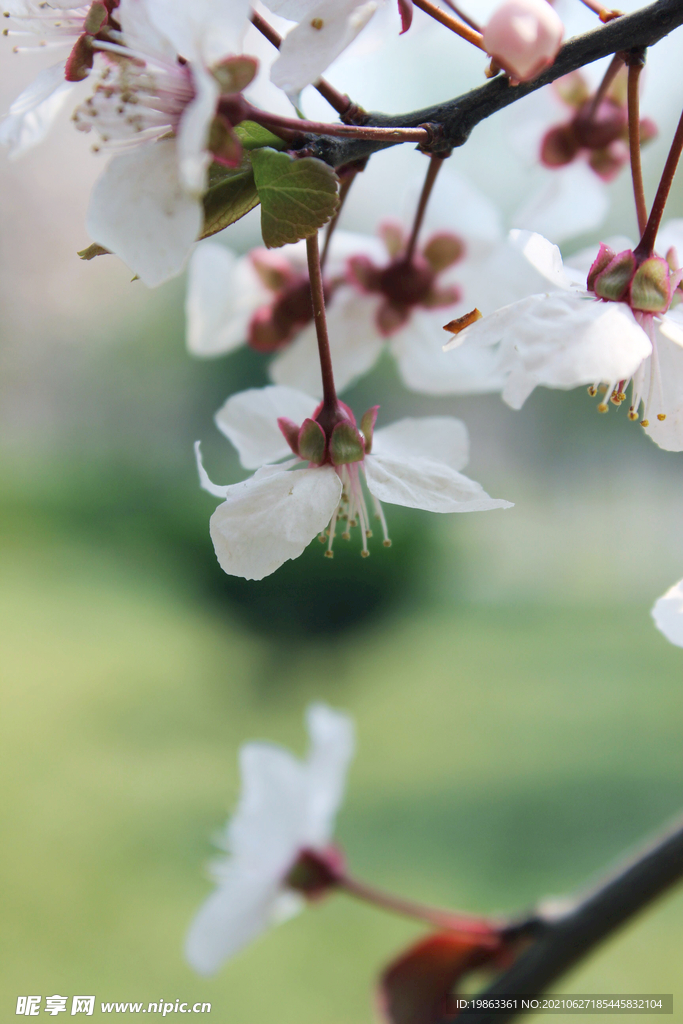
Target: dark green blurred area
[510,746]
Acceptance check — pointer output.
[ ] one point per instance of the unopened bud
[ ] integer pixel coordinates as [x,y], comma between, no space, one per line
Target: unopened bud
[524,36]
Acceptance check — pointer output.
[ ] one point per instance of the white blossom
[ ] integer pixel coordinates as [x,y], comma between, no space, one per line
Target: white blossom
[272,516]
[668,614]
[286,807]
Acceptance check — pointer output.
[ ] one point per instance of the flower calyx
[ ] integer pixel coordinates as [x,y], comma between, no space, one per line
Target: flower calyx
[315,872]
[95,25]
[598,131]
[646,283]
[274,325]
[233,75]
[331,436]
[407,281]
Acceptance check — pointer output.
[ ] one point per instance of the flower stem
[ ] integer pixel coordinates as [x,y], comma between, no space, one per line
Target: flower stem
[461,29]
[346,181]
[646,245]
[615,66]
[435,163]
[420,136]
[478,927]
[463,17]
[336,99]
[603,13]
[634,70]
[330,401]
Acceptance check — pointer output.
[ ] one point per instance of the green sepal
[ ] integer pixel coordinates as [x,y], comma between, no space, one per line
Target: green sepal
[230,196]
[367,426]
[312,442]
[254,136]
[651,287]
[612,283]
[297,196]
[346,444]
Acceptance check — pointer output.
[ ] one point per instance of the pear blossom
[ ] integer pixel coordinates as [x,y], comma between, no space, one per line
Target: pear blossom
[277,841]
[619,329]
[523,37]
[71,29]
[325,28]
[668,614]
[277,512]
[156,101]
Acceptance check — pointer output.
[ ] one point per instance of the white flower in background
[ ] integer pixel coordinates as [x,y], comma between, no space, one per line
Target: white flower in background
[668,614]
[69,30]
[619,330]
[262,299]
[286,809]
[325,28]
[523,37]
[157,101]
[278,511]
[575,150]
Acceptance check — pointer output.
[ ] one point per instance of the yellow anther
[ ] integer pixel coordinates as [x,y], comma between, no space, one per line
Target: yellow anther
[645,423]
[368,533]
[329,554]
[317,23]
[592,391]
[602,389]
[387,543]
[346,535]
[353,522]
[364,553]
[322,538]
[632,414]
[602,407]
[661,416]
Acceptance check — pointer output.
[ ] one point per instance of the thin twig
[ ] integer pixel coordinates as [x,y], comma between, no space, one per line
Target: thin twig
[342,131]
[461,29]
[647,243]
[330,401]
[457,117]
[435,163]
[463,17]
[570,937]
[615,66]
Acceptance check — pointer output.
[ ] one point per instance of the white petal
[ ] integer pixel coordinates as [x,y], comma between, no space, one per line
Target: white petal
[218,490]
[332,747]
[140,211]
[671,235]
[583,260]
[235,914]
[420,483]
[33,112]
[668,614]
[193,132]
[293,10]
[355,345]
[561,340]
[202,29]
[249,420]
[272,517]
[671,326]
[307,51]
[425,367]
[141,31]
[572,201]
[222,294]
[457,205]
[542,255]
[268,828]
[667,390]
[437,438]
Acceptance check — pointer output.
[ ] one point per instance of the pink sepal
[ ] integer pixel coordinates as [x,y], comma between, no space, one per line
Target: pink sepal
[290,432]
[405,9]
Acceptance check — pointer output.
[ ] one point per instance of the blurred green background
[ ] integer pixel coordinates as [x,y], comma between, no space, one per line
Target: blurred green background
[519,716]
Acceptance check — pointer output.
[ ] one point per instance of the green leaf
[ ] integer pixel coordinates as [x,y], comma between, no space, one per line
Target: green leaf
[233,195]
[92,251]
[254,136]
[297,196]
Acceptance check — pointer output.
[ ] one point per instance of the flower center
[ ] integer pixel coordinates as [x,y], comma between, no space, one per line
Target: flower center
[406,283]
[276,325]
[353,512]
[597,130]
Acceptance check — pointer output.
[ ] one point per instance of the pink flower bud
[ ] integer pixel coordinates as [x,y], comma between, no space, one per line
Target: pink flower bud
[523,36]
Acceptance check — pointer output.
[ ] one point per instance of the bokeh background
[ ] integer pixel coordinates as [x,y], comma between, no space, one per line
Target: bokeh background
[519,716]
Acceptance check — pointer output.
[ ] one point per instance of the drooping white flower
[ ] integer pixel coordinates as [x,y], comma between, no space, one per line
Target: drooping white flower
[325,28]
[157,101]
[668,614]
[286,809]
[621,330]
[523,36]
[277,512]
[69,30]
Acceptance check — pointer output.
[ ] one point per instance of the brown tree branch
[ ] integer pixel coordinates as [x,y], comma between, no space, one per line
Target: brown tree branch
[453,121]
[569,937]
